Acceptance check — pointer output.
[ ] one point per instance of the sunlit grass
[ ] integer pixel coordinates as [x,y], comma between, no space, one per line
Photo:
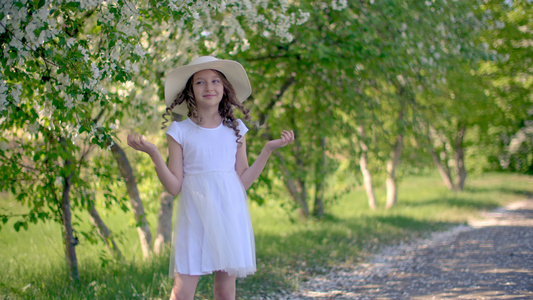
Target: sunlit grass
[288,250]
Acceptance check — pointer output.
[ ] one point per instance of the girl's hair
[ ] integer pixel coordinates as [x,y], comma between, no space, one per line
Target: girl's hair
[225,107]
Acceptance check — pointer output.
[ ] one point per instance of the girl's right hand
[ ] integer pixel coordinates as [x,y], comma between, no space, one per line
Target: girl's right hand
[287,137]
[137,142]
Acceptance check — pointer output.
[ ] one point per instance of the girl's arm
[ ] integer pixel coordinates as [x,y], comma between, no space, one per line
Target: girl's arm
[249,174]
[171,176]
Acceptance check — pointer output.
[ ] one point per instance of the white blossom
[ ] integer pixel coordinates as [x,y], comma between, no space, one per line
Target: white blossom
[245,44]
[70,42]
[16,92]
[115,125]
[4,146]
[73,132]
[33,128]
[127,65]
[96,71]
[63,79]
[499,24]
[139,50]
[135,68]
[43,29]
[195,15]
[89,4]
[303,17]
[30,32]
[339,5]
[110,145]
[84,53]
[3,95]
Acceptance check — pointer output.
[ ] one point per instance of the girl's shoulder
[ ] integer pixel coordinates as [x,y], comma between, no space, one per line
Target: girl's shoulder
[178,130]
[242,127]
[179,125]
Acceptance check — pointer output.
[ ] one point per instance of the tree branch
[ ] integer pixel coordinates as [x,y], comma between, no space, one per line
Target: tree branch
[29,47]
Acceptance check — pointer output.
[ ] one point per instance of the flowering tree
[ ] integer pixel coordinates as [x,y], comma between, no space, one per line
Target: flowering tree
[71,70]
[350,84]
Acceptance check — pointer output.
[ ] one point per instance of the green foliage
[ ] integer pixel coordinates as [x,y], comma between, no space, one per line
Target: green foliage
[72,72]
[75,76]
[385,68]
[288,253]
[510,82]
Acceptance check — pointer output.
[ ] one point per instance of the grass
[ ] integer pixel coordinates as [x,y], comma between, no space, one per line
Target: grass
[288,252]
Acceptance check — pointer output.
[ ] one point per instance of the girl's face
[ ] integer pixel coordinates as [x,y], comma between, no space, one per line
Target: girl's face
[207,88]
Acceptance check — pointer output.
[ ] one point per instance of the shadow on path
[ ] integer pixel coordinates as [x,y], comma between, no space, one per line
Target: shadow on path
[492,258]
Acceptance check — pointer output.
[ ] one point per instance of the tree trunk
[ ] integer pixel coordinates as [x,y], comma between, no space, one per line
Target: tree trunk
[299,178]
[298,193]
[363,165]
[164,222]
[460,158]
[104,233]
[367,181]
[392,191]
[442,164]
[70,241]
[318,208]
[444,170]
[390,182]
[268,108]
[296,186]
[142,224]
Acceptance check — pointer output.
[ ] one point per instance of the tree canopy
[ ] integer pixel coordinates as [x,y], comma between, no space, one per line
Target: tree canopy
[390,87]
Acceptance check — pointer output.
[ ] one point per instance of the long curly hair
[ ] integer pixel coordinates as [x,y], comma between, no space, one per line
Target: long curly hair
[225,107]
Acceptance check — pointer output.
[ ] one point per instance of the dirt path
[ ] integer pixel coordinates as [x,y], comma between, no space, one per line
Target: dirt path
[491,258]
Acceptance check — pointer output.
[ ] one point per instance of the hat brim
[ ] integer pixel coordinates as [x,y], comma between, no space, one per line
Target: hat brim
[234,72]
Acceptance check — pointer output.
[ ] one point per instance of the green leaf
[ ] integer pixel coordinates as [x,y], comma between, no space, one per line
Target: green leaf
[40,3]
[17,225]
[72,5]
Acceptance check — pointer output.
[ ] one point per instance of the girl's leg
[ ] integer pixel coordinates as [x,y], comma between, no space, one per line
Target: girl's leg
[184,287]
[224,286]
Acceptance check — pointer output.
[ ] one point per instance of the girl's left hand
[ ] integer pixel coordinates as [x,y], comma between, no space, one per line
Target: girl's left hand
[137,142]
[286,138]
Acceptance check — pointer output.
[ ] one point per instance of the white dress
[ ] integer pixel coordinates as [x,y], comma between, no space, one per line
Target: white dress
[213,230]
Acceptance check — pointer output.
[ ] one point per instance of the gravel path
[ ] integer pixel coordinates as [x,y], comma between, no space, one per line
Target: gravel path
[491,258]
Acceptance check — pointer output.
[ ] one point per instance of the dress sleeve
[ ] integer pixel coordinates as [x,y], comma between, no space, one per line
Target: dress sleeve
[174,132]
[243,129]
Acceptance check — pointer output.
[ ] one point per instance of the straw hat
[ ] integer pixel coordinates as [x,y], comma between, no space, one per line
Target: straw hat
[233,71]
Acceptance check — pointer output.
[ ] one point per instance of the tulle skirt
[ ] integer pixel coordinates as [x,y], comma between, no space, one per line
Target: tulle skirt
[213,230]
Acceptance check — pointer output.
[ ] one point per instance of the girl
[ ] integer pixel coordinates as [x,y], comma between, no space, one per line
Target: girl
[208,165]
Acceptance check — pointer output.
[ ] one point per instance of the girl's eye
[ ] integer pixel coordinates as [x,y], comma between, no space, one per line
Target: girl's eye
[216,81]
[199,82]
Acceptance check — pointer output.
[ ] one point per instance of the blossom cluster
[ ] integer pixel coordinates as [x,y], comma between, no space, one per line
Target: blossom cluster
[63,57]
[274,16]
